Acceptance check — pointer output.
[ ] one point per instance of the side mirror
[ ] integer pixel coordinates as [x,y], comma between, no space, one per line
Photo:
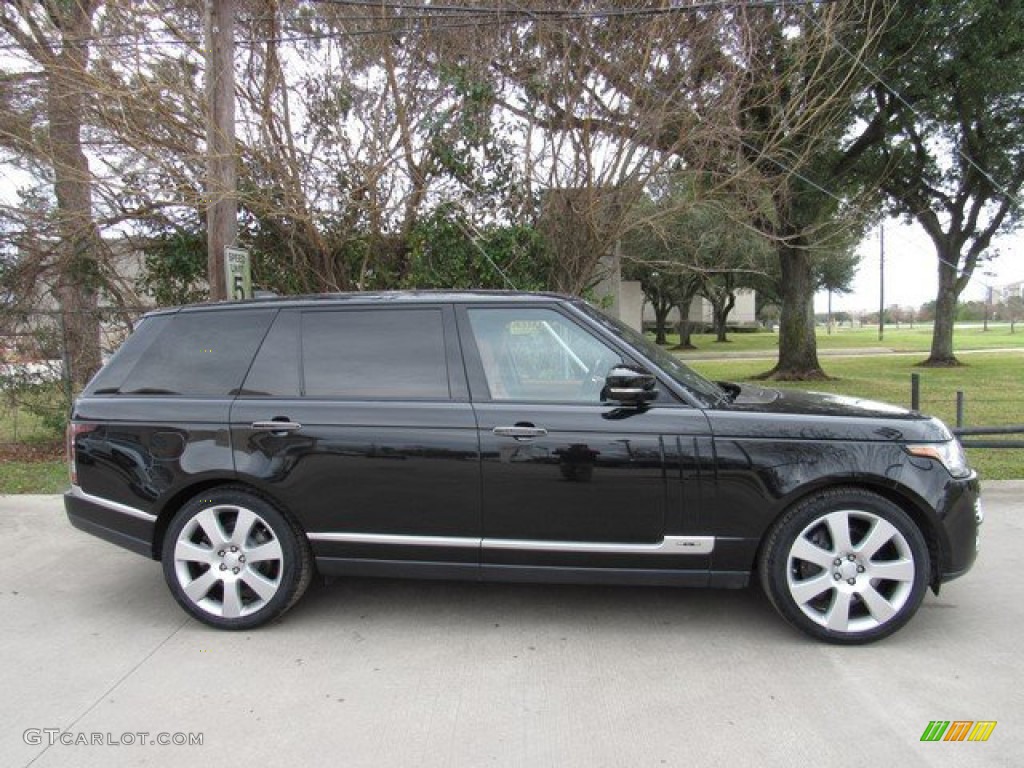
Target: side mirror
[629,385]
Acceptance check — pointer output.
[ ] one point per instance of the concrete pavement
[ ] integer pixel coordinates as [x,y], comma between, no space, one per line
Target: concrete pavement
[396,674]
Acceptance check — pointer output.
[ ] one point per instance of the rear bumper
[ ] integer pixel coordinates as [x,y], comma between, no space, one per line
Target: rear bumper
[117,523]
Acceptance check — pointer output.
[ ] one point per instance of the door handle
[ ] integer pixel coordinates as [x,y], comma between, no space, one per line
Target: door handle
[275,426]
[520,433]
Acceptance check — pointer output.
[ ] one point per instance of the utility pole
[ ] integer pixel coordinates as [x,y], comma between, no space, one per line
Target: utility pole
[988,296]
[881,281]
[221,178]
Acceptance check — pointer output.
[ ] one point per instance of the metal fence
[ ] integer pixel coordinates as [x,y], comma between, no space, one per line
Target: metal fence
[35,386]
[1010,405]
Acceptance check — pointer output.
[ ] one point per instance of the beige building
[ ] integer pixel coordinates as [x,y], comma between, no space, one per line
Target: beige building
[744,313]
[1002,293]
[625,300]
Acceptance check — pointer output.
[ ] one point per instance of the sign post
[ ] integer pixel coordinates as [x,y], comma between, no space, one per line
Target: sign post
[238,274]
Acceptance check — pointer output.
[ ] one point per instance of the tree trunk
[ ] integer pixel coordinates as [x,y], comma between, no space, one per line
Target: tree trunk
[798,347]
[80,245]
[945,315]
[685,329]
[684,301]
[721,312]
[661,310]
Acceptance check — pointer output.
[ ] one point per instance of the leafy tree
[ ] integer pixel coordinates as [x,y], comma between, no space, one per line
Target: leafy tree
[720,291]
[768,312]
[667,289]
[833,268]
[739,254]
[794,121]
[448,251]
[657,290]
[970,312]
[686,241]
[1014,311]
[175,269]
[944,125]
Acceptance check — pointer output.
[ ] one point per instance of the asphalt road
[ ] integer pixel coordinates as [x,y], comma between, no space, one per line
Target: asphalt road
[397,674]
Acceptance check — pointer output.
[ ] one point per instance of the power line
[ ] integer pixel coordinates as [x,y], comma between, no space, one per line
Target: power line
[484,16]
[560,14]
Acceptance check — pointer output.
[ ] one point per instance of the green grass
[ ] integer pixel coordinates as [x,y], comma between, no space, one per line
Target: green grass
[916,339]
[20,425]
[33,477]
[993,384]
[31,440]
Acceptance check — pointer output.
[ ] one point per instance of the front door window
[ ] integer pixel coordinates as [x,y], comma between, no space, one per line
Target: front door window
[537,355]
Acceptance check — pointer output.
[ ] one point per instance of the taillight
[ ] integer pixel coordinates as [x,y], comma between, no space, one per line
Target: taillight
[74,430]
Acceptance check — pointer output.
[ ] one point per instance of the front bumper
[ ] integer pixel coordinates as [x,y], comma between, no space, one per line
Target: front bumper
[961,516]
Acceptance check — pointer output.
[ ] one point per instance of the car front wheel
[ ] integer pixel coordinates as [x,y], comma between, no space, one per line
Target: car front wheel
[846,566]
[233,560]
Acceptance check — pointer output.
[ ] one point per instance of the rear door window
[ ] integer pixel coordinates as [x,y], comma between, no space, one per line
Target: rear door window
[374,354]
[275,371]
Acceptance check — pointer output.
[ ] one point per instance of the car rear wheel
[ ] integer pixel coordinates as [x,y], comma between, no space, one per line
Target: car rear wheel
[233,560]
[846,566]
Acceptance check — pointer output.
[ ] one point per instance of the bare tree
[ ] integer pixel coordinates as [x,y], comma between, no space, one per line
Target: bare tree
[54,36]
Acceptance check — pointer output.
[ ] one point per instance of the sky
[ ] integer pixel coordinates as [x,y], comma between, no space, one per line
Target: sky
[911,271]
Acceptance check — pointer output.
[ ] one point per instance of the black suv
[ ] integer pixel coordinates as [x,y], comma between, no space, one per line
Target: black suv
[504,436]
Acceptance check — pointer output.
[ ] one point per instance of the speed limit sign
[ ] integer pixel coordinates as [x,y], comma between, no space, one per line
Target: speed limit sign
[238,272]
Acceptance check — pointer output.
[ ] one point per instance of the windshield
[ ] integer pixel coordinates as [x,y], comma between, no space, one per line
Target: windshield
[666,361]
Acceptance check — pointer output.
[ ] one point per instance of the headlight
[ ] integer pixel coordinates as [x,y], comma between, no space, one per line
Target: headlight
[950,454]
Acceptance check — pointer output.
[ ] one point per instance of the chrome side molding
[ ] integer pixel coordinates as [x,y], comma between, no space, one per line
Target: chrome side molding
[395,538]
[115,506]
[670,545]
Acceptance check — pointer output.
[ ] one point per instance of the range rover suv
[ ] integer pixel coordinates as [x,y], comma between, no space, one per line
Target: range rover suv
[500,436]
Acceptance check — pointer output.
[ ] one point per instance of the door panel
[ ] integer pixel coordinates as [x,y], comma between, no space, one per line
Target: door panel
[395,475]
[586,479]
[377,455]
[579,483]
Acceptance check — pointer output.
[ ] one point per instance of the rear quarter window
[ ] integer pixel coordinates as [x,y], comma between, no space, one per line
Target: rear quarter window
[112,375]
[192,353]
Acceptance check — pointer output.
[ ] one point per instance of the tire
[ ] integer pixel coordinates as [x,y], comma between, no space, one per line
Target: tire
[845,566]
[234,561]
